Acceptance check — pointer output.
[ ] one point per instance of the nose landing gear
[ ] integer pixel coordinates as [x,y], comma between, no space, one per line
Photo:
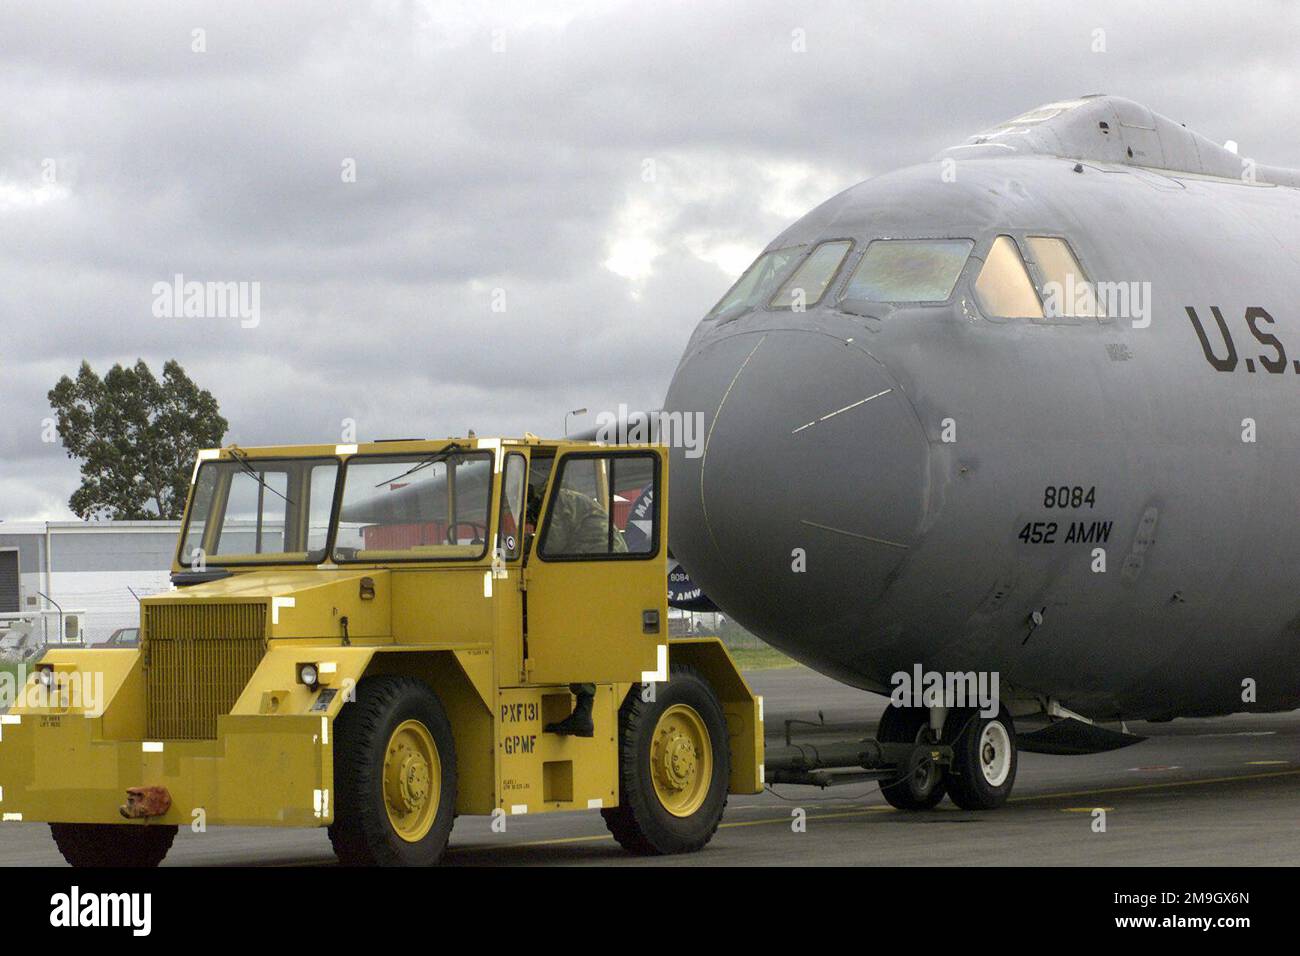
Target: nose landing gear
[919,755]
[919,783]
[982,769]
[984,759]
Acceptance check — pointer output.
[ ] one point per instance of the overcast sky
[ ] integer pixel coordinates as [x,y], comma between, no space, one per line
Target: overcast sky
[604,170]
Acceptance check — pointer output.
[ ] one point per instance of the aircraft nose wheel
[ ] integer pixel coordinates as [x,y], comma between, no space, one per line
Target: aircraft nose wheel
[984,758]
[920,784]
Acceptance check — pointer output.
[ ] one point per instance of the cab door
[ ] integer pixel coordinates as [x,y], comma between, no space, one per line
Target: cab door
[596,593]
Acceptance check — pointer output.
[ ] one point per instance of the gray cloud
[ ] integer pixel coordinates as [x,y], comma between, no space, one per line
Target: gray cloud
[477,170]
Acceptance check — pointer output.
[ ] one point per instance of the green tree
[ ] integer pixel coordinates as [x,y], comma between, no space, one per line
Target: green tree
[136,438]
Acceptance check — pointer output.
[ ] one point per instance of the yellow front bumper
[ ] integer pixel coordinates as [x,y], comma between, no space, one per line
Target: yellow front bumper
[260,771]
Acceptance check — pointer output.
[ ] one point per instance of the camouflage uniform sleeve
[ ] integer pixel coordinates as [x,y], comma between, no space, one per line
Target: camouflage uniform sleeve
[579,525]
[559,525]
[590,534]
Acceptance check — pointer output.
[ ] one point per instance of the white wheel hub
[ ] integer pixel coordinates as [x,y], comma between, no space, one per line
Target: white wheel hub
[995,753]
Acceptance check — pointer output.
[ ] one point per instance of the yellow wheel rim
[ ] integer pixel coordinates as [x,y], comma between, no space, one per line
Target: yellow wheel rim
[681,760]
[412,780]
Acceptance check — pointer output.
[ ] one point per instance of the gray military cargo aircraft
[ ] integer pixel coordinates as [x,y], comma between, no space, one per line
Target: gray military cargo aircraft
[1030,409]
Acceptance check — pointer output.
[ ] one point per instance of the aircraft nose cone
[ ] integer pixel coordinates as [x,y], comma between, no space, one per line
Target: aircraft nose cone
[809,488]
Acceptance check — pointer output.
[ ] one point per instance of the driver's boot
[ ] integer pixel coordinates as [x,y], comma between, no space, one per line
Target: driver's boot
[578,723]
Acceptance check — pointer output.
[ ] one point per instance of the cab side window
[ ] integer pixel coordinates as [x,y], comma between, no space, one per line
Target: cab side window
[1004,288]
[510,533]
[602,507]
[539,473]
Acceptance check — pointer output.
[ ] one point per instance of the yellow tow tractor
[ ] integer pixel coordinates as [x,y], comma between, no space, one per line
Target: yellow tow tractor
[374,638]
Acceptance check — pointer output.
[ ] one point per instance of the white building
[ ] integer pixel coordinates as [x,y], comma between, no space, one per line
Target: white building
[85,566]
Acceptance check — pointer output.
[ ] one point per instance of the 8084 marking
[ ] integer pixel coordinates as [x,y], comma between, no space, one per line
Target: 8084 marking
[1069,496]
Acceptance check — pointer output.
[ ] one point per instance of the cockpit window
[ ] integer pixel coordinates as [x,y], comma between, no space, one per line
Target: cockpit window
[1003,288]
[808,284]
[756,284]
[1066,291]
[909,270]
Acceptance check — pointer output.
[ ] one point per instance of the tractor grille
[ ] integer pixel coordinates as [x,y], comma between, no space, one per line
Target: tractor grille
[197,660]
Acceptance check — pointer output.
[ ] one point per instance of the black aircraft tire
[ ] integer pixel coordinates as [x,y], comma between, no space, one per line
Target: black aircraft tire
[905,725]
[685,729]
[393,748]
[984,758]
[113,844]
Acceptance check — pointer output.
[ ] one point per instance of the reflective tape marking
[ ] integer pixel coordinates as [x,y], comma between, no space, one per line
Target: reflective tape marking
[277,603]
[655,676]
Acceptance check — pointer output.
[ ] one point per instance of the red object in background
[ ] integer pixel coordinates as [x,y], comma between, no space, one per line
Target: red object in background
[623,508]
[403,537]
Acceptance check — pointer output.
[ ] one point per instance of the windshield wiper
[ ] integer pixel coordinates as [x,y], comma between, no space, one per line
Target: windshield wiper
[242,460]
[432,459]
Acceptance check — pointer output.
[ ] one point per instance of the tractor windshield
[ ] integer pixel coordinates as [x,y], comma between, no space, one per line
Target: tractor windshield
[415,507]
[266,511]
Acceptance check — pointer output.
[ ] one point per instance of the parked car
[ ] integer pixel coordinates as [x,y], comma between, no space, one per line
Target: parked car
[123,637]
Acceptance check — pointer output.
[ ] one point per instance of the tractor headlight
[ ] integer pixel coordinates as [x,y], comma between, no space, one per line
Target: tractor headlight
[309,674]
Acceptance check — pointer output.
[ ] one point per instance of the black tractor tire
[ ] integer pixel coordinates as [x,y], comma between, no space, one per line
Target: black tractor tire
[363,832]
[642,823]
[113,844]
